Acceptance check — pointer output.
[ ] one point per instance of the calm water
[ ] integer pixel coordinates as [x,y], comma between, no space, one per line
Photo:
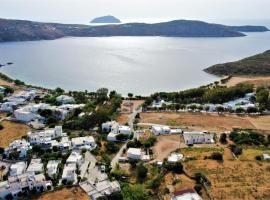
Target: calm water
[141,65]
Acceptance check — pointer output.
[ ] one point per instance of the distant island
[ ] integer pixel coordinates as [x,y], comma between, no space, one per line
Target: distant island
[258,65]
[106,20]
[21,30]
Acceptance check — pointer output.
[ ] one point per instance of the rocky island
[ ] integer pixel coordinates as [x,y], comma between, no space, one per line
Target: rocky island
[109,19]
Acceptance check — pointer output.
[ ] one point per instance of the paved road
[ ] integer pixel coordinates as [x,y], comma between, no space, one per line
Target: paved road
[93,174]
[131,125]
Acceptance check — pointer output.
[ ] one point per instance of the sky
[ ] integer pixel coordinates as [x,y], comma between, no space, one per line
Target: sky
[82,11]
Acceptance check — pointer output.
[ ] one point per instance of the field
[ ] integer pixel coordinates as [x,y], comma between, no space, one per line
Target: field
[74,193]
[244,178]
[11,132]
[5,83]
[165,145]
[257,81]
[122,119]
[198,121]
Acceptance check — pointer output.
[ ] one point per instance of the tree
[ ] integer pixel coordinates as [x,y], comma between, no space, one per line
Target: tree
[135,192]
[111,147]
[141,172]
[122,137]
[59,91]
[223,138]
[262,97]
[216,156]
[156,182]
[198,188]
[130,95]
[220,109]
[18,82]
[1,98]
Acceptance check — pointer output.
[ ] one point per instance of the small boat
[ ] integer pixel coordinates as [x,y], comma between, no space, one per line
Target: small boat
[2,65]
[10,63]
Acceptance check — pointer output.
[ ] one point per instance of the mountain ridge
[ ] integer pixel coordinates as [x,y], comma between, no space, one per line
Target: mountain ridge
[257,65]
[23,30]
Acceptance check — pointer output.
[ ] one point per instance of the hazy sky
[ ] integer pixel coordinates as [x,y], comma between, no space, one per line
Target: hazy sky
[78,11]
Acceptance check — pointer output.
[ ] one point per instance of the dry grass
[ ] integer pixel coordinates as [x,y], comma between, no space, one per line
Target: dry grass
[165,145]
[244,178]
[199,121]
[75,193]
[257,81]
[261,122]
[5,83]
[123,119]
[11,132]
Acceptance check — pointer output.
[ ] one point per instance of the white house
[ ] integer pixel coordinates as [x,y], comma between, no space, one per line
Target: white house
[100,189]
[45,137]
[161,130]
[134,153]
[69,172]
[111,137]
[65,143]
[266,156]
[87,142]
[8,106]
[186,194]
[65,109]
[16,185]
[20,146]
[64,99]
[164,130]
[75,157]
[30,112]
[35,166]
[159,103]
[107,126]
[115,129]
[52,167]
[17,168]
[175,157]
[198,138]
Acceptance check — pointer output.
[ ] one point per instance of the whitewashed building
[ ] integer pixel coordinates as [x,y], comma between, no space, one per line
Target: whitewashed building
[266,156]
[87,142]
[20,146]
[100,189]
[69,172]
[175,157]
[17,168]
[23,184]
[64,99]
[8,106]
[52,167]
[75,157]
[35,166]
[46,136]
[198,138]
[134,153]
[30,112]
[161,130]
[115,129]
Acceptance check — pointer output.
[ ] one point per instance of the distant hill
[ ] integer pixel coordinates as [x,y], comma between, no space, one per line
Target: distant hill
[106,19]
[21,30]
[258,65]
